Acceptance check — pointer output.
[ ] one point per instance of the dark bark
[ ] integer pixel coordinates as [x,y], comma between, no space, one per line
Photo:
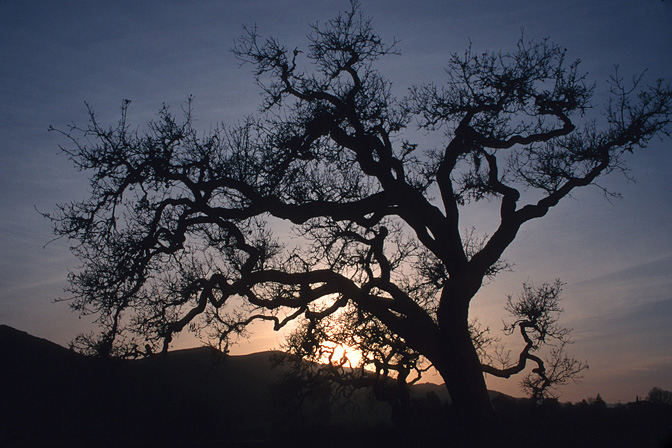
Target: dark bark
[461,370]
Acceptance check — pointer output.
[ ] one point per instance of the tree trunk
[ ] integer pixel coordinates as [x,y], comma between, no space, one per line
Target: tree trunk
[460,368]
[458,361]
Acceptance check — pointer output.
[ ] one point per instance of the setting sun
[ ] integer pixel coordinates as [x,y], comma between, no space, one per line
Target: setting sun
[340,355]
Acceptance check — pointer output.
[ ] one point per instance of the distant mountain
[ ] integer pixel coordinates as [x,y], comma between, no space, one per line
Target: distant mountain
[51,393]
[52,397]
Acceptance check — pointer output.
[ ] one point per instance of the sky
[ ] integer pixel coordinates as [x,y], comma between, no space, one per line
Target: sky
[615,256]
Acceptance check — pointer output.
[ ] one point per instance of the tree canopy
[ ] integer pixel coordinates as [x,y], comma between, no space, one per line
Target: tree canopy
[181,229]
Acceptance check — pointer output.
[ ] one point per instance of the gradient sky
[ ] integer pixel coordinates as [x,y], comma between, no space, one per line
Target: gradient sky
[615,257]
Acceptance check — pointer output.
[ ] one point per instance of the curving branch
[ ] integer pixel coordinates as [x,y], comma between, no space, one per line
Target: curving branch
[536,312]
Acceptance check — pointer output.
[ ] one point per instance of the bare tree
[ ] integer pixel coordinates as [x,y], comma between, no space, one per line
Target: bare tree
[536,313]
[660,396]
[178,231]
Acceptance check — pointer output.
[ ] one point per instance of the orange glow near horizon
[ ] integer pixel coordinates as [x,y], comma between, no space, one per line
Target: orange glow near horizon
[340,355]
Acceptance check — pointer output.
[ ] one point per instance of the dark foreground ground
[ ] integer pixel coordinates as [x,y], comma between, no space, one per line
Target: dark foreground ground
[52,397]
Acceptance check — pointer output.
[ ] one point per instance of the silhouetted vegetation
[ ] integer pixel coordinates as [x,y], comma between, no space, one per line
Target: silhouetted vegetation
[659,396]
[178,230]
[198,398]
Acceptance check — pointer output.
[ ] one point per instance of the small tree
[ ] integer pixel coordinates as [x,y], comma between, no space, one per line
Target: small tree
[178,230]
[660,396]
[536,313]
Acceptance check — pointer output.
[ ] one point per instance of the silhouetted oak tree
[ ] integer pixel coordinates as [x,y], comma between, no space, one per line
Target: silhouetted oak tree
[179,228]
